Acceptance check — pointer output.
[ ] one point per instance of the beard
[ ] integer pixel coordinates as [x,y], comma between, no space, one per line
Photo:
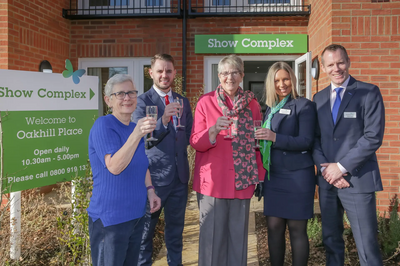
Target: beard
[163,86]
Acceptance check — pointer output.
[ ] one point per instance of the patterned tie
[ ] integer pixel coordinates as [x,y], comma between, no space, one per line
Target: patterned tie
[336,105]
[166,103]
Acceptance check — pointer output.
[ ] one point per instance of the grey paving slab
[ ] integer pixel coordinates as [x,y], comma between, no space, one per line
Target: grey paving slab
[191,235]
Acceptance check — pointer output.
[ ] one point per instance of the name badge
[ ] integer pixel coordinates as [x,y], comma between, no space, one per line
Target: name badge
[350,115]
[285,111]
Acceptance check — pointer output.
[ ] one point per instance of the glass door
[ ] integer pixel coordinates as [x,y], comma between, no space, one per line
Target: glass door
[105,68]
[303,75]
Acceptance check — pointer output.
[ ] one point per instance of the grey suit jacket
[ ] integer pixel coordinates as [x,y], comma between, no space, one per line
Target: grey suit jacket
[170,154]
[355,137]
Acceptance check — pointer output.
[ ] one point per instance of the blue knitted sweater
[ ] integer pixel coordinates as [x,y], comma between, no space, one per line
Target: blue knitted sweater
[116,198]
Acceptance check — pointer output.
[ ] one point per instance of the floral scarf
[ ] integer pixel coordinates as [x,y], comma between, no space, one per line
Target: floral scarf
[244,156]
[266,144]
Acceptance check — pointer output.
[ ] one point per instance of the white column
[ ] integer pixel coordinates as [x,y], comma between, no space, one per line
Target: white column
[15,224]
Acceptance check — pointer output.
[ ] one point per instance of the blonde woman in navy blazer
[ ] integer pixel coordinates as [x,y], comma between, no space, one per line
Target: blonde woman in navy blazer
[289,192]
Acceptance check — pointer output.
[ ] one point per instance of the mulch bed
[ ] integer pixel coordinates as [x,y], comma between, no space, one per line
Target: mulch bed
[317,252]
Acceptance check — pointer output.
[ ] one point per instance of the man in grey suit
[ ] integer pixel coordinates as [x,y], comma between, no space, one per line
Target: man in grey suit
[168,162]
[351,122]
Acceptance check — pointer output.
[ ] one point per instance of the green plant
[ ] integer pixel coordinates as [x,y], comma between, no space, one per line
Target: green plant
[389,229]
[314,231]
[73,225]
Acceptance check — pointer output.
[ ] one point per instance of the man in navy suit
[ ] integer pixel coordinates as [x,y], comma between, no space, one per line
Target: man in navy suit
[351,122]
[168,162]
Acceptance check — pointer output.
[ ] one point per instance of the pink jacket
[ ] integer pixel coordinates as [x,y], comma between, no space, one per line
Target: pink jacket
[214,173]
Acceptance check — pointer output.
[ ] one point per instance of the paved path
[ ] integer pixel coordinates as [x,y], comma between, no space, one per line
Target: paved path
[191,235]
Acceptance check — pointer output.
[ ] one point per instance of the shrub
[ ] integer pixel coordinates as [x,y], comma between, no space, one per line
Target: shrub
[72,225]
[314,231]
[39,243]
[389,229]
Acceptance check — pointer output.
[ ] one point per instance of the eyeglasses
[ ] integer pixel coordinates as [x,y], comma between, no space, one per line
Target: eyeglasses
[120,95]
[233,73]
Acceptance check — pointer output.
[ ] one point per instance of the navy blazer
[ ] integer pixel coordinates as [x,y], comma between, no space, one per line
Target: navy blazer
[170,154]
[292,149]
[355,137]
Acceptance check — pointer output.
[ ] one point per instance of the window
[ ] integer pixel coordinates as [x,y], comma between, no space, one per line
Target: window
[269,2]
[154,2]
[108,3]
[221,2]
[252,5]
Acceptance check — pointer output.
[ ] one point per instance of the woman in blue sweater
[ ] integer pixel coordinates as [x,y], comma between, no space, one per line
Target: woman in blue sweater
[121,179]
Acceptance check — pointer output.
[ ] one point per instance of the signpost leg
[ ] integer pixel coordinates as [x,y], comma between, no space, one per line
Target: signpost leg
[15,224]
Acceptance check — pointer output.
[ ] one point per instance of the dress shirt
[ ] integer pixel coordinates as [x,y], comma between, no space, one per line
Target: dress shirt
[333,92]
[333,98]
[170,98]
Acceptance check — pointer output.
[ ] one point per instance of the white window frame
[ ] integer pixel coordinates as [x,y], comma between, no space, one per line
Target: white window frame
[134,66]
[307,58]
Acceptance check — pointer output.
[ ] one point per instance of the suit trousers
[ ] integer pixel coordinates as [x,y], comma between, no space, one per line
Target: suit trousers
[173,202]
[361,211]
[224,227]
[115,245]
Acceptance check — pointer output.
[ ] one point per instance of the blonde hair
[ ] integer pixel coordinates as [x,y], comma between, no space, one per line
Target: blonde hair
[270,93]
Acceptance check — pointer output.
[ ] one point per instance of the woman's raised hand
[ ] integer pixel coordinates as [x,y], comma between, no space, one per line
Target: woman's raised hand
[144,126]
[223,123]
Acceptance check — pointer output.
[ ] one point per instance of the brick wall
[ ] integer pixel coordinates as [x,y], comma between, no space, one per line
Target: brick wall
[126,38]
[36,32]
[320,35]
[371,34]
[3,34]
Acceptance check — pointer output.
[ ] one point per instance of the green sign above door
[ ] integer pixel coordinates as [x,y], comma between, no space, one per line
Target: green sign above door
[251,44]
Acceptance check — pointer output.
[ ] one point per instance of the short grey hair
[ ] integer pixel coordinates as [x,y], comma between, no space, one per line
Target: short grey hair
[116,79]
[231,60]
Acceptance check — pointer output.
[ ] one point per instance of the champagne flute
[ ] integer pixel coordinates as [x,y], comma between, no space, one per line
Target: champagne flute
[180,111]
[151,111]
[257,125]
[228,136]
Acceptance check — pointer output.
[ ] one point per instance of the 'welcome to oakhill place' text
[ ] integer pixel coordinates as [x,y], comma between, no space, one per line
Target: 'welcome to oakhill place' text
[50,132]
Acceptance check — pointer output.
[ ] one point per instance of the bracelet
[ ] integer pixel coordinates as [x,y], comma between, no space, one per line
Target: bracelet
[150,187]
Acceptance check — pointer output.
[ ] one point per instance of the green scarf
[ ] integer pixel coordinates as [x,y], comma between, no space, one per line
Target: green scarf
[266,144]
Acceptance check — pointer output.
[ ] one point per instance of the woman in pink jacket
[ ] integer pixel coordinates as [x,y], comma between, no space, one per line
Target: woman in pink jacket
[226,169]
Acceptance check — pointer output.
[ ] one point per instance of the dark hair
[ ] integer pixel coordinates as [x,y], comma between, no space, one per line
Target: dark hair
[334,47]
[164,57]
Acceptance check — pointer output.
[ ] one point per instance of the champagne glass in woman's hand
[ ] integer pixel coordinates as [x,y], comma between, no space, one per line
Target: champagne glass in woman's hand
[179,111]
[151,111]
[257,125]
[228,136]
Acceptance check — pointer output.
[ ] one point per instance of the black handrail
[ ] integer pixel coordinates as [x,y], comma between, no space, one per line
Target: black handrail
[100,9]
[229,8]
